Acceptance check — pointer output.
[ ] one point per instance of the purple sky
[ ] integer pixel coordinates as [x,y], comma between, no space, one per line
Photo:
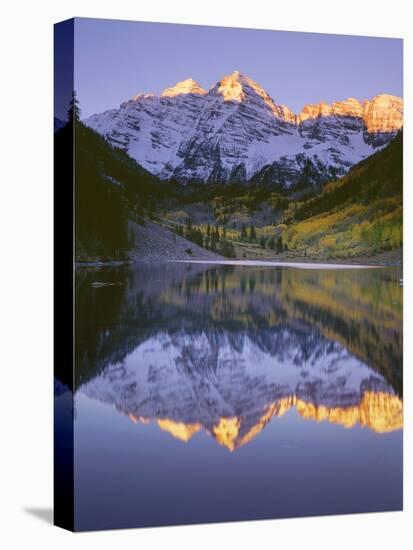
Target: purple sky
[115,60]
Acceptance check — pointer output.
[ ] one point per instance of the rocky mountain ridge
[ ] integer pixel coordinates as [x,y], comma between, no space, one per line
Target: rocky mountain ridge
[235,132]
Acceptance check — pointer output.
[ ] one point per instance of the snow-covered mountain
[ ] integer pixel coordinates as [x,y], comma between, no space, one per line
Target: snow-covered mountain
[231,386]
[237,132]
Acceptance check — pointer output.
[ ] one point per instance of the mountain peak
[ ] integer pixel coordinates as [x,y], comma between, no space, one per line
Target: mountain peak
[238,75]
[143,95]
[387,98]
[235,130]
[383,113]
[231,88]
[237,86]
[188,86]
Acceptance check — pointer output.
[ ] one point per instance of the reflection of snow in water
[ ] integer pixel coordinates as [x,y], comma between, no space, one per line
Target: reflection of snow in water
[233,386]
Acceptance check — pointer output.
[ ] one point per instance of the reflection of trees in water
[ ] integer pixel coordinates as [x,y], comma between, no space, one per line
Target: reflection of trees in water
[360,309]
[97,313]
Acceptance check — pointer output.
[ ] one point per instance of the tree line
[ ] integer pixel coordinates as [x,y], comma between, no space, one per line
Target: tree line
[211,239]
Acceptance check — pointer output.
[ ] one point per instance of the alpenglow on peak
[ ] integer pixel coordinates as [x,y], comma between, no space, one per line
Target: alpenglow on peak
[235,87]
[188,86]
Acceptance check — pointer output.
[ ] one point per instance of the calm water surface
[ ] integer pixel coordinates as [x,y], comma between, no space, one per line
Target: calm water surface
[217,393]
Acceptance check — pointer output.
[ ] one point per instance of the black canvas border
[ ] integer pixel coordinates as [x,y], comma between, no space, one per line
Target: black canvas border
[63,294]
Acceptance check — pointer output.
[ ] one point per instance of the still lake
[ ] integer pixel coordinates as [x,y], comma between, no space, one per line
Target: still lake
[209,393]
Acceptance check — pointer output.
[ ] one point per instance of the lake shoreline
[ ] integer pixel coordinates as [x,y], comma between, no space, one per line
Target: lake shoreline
[393,258]
[269,263]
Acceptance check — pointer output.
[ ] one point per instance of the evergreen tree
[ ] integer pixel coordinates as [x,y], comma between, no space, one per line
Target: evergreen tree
[262,241]
[227,249]
[213,243]
[243,232]
[253,234]
[279,245]
[73,114]
[195,235]
[271,243]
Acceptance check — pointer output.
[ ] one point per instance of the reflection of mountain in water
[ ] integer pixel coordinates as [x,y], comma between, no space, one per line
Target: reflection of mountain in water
[232,385]
[226,349]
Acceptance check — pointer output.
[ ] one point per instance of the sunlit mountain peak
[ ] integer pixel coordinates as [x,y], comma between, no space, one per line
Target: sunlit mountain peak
[179,430]
[237,86]
[188,86]
[142,95]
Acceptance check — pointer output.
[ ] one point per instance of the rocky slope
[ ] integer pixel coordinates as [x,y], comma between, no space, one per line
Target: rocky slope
[236,132]
[155,243]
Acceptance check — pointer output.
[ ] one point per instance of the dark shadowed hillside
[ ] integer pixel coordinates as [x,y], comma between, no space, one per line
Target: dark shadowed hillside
[110,190]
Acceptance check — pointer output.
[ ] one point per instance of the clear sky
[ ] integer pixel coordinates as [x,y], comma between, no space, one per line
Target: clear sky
[115,60]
